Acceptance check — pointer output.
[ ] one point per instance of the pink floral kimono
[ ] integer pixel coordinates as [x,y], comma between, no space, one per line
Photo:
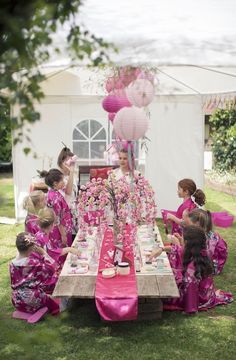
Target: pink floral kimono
[189,205]
[50,245]
[217,249]
[56,201]
[32,279]
[195,294]
[31,225]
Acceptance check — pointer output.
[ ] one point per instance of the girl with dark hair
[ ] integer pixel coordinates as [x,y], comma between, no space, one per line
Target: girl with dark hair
[64,155]
[192,198]
[33,277]
[193,274]
[66,162]
[62,231]
[124,169]
[216,246]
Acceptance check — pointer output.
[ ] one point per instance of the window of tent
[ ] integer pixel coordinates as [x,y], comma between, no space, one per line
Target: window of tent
[90,141]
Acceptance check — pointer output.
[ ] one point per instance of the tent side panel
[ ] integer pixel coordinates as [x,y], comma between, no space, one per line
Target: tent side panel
[176,147]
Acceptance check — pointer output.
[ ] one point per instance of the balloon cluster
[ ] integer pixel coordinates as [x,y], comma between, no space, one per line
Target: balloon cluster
[128,93]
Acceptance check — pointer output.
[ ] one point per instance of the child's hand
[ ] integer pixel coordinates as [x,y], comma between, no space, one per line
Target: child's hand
[179,237]
[155,253]
[173,239]
[169,216]
[64,239]
[75,251]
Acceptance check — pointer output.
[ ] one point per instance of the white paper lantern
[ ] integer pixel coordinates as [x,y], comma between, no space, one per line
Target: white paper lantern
[130,123]
[140,92]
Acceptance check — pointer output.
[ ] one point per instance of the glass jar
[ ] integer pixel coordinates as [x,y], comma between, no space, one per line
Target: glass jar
[123,268]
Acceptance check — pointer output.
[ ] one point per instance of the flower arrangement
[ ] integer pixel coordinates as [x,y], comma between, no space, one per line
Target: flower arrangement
[131,202]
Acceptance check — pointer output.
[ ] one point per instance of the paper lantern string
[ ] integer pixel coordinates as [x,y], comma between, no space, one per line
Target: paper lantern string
[130,157]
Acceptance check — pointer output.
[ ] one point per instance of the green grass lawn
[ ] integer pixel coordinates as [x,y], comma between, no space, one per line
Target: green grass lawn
[79,334]
[6,196]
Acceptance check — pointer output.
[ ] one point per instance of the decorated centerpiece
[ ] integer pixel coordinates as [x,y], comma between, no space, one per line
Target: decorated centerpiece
[120,200]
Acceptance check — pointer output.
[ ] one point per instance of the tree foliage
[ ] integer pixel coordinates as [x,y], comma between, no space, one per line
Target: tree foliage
[26,35]
[223,127]
[5,131]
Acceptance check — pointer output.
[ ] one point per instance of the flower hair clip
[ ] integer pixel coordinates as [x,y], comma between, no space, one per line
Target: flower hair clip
[29,239]
[203,252]
[194,200]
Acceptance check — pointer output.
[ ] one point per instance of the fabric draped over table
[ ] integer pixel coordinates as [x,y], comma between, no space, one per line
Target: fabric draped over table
[117,297]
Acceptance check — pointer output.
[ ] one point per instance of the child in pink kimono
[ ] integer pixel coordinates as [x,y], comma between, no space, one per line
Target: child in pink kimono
[66,162]
[192,198]
[62,231]
[33,277]
[216,246]
[193,274]
[33,203]
[43,238]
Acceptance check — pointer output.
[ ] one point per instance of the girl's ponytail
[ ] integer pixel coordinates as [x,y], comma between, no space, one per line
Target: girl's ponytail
[43,173]
[199,197]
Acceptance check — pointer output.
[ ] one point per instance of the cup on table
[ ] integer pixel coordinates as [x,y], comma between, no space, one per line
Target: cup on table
[73,260]
[160,263]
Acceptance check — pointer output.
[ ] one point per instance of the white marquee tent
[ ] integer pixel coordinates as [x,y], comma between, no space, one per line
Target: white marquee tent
[146,32]
[176,131]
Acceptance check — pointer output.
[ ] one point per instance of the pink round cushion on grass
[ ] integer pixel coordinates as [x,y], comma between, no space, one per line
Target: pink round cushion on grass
[224,220]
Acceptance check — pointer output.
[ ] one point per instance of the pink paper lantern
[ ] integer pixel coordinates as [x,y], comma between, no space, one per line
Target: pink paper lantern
[110,84]
[111,116]
[130,123]
[119,92]
[124,102]
[137,72]
[113,103]
[119,84]
[114,83]
[140,92]
[146,76]
[127,75]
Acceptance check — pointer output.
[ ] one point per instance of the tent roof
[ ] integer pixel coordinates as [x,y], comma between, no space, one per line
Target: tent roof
[170,80]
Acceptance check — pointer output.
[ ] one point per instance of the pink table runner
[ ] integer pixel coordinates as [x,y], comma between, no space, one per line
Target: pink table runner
[117,297]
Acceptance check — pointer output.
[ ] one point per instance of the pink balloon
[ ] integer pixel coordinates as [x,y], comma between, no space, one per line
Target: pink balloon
[130,123]
[111,116]
[118,92]
[119,84]
[140,92]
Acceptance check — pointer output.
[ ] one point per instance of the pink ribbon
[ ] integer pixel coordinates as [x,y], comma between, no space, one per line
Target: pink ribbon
[117,297]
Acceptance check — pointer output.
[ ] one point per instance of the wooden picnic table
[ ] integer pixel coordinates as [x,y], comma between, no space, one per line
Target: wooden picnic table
[152,288]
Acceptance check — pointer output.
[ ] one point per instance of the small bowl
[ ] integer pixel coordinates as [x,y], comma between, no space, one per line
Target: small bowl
[108,273]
